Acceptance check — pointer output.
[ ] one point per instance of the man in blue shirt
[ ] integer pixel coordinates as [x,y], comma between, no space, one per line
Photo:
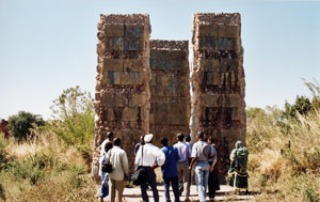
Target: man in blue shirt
[169,170]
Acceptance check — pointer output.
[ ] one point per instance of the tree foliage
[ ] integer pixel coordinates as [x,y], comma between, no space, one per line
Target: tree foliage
[73,114]
[302,106]
[21,124]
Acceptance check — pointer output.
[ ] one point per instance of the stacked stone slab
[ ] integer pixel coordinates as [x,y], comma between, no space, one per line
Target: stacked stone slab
[122,90]
[218,106]
[170,89]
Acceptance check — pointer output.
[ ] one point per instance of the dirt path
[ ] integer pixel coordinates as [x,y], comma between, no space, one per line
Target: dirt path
[226,193]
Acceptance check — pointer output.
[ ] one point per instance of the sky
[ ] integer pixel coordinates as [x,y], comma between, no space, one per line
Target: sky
[48,46]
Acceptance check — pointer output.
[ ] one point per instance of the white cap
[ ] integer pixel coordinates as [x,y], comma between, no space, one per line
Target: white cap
[148,137]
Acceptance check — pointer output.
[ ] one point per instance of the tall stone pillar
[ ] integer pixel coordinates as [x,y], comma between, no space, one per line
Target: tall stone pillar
[170,89]
[122,90]
[218,86]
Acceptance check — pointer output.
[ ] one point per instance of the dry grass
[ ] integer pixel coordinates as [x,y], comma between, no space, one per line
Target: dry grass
[46,170]
[285,166]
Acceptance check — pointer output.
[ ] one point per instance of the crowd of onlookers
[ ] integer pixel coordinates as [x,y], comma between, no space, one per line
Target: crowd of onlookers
[180,163]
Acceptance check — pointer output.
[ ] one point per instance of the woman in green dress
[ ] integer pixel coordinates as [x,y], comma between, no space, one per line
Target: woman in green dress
[237,173]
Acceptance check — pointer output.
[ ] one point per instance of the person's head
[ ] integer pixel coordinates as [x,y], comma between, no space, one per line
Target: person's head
[110,135]
[210,140]
[188,138]
[117,141]
[164,141]
[180,137]
[238,144]
[107,146]
[148,138]
[201,135]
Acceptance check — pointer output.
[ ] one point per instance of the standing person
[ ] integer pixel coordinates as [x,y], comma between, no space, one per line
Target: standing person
[237,173]
[213,181]
[104,188]
[183,165]
[201,152]
[191,173]
[188,142]
[169,170]
[149,157]
[119,162]
[108,139]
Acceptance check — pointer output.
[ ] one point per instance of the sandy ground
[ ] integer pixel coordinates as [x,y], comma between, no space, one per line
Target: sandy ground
[226,193]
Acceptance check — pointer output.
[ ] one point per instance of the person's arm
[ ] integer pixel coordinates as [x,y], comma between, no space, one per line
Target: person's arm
[138,159]
[160,157]
[233,155]
[193,160]
[176,154]
[125,164]
[215,158]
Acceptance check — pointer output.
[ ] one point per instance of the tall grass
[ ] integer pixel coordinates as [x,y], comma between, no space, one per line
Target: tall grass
[285,161]
[45,170]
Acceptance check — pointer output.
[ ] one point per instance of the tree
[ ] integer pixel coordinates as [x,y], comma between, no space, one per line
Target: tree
[22,123]
[302,106]
[73,112]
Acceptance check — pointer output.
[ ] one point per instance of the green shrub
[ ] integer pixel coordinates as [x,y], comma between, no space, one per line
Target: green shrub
[21,124]
[32,167]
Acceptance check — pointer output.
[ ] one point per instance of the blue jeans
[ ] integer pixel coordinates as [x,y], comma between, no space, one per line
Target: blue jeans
[150,178]
[175,187]
[201,174]
[104,188]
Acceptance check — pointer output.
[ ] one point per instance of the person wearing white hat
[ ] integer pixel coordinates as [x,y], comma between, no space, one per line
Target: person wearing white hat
[149,157]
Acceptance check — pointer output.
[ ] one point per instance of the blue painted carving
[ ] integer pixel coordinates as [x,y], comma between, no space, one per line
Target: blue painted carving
[134,38]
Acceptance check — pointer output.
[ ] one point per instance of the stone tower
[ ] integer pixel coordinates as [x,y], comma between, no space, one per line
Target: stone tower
[122,90]
[218,106]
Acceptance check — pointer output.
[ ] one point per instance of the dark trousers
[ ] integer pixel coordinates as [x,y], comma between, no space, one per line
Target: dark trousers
[150,179]
[213,182]
[175,187]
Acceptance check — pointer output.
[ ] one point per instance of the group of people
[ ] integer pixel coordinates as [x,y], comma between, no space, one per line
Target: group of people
[179,163]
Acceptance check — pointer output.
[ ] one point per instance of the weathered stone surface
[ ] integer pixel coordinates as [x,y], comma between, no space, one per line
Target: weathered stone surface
[170,90]
[211,100]
[218,80]
[137,100]
[122,91]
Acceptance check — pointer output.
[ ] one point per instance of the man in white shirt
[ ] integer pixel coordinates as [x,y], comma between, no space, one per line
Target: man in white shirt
[120,165]
[183,165]
[149,157]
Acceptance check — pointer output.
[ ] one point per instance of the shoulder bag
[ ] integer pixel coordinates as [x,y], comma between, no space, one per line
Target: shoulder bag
[137,176]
